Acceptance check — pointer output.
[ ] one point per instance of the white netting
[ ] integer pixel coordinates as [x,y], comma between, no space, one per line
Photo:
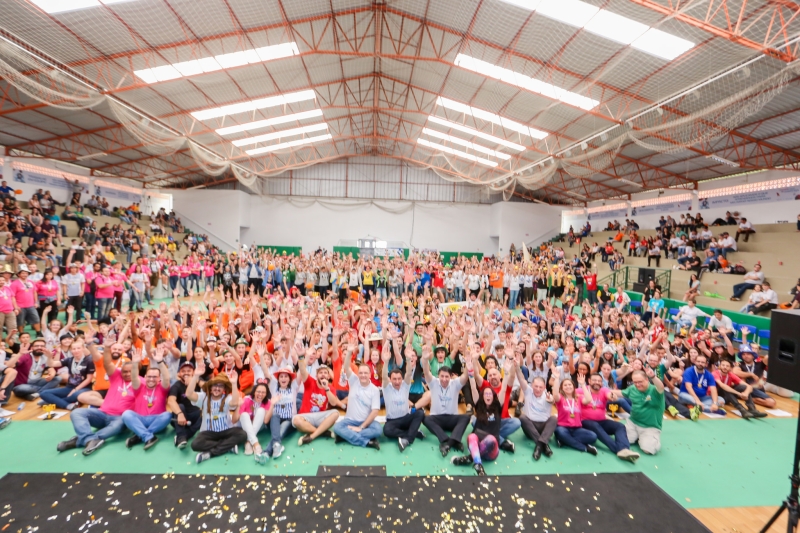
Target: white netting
[154,137]
[42,82]
[592,161]
[211,163]
[537,177]
[712,110]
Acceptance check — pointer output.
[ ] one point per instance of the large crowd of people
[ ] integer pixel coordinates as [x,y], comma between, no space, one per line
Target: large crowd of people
[255,342]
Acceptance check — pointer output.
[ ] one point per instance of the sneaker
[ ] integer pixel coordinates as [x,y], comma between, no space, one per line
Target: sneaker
[695,412]
[444,448]
[461,460]
[181,444]
[507,446]
[33,396]
[72,406]
[591,450]
[755,412]
[402,444]
[421,435]
[92,446]
[64,445]
[479,469]
[277,450]
[150,443]
[628,455]
[673,411]
[41,403]
[203,456]
[305,439]
[261,458]
[248,448]
[132,441]
[235,449]
[457,444]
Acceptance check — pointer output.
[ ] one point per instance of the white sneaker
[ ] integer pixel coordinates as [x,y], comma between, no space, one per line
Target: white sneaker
[277,450]
[235,450]
[248,448]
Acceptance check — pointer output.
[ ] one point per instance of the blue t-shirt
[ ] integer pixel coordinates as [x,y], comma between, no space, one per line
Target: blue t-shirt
[655,305]
[700,383]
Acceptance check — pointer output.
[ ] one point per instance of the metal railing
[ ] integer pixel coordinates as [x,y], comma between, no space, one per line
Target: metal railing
[626,276]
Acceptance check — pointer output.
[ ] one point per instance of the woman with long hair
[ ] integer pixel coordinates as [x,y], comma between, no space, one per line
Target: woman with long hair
[254,413]
[484,440]
[570,430]
[49,296]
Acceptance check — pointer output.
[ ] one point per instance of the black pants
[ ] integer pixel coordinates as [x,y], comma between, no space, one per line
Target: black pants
[672,401]
[405,427]
[7,389]
[539,432]
[733,400]
[186,432]
[657,259]
[77,303]
[53,314]
[455,424]
[218,442]
[254,283]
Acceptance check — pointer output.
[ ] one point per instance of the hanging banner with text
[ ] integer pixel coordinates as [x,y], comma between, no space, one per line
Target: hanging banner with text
[45,181]
[613,213]
[110,192]
[666,207]
[751,197]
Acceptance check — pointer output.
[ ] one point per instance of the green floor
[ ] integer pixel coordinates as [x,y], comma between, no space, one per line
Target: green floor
[711,463]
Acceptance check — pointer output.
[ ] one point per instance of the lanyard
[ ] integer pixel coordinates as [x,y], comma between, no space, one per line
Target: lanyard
[150,398]
[570,407]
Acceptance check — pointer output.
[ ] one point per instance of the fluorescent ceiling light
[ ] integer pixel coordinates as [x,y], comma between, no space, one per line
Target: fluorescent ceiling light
[476,133]
[252,105]
[723,160]
[289,144]
[616,27]
[629,182]
[662,44]
[576,195]
[462,142]
[281,134]
[60,6]
[491,117]
[258,124]
[459,153]
[211,64]
[525,82]
[609,25]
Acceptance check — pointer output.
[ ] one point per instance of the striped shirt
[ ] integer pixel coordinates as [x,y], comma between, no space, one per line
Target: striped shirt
[284,401]
[220,417]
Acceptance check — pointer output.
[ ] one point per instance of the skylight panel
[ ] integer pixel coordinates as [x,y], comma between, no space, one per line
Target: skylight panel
[616,27]
[662,44]
[525,82]
[491,117]
[252,105]
[280,134]
[222,61]
[572,12]
[476,133]
[467,144]
[60,6]
[289,144]
[294,117]
[458,153]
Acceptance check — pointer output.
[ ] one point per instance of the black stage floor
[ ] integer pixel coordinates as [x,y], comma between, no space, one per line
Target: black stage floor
[616,503]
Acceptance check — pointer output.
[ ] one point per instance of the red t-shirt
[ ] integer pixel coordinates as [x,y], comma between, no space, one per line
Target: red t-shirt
[315,399]
[591,282]
[731,379]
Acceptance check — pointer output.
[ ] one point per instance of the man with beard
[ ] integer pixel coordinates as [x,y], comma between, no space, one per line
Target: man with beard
[699,388]
[186,414]
[34,374]
[149,415]
[119,398]
[733,389]
[314,417]
[593,418]
[101,382]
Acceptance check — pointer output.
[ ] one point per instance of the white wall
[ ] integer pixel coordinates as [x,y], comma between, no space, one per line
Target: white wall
[230,216]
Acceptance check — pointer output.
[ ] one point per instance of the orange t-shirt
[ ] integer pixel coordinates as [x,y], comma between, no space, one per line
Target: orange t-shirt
[100,378]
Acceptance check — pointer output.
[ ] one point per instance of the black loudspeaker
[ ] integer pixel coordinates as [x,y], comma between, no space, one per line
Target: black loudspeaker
[646,274]
[639,287]
[784,343]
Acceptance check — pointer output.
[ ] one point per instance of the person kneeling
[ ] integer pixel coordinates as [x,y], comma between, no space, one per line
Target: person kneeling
[149,414]
[484,439]
[218,402]
[647,410]
[593,412]
[358,427]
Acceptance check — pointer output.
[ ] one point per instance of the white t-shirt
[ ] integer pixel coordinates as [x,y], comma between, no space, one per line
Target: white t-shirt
[444,401]
[396,401]
[474,282]
[361,400]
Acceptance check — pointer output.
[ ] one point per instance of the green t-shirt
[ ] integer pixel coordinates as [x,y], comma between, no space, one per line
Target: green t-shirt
[436,365]
[647,408]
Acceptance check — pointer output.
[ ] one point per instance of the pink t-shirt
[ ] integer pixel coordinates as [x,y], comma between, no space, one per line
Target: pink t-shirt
[185,271]
[88,275]
[208,270]
[150,402]
[249,405]
[174,270]
[47,288]
[6,305]
[120,396]
[104,292]
[119,276]
[569,412]
[596,409]
[23,292]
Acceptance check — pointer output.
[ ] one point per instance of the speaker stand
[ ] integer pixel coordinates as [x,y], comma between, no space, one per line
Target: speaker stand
[790,504]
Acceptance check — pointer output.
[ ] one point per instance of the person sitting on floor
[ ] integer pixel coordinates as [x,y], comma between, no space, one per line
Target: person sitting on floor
[734,389]
[149,415]
[402,423]
[358,427]
[186,415]
[315,417]
[593,414]
[699,389]
[751,370]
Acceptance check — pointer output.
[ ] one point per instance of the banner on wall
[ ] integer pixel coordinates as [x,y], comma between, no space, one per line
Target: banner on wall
[613,213]
[45,181]
[751,197]
[110,192]
[666,207]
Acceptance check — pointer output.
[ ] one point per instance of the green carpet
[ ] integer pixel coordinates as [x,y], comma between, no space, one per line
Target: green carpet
[711,463]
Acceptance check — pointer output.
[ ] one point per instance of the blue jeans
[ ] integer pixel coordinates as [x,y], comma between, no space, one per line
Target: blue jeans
[512,299]
[35,386]
[90,303]
[184,282]
[356,438]
[146,427]
[104,307]
[135,300]
[62,397]
[83,420]
[576,438]
[381,292]
[740,288]
[604,429]
[706,400]
[507,427]
[624,404]
[279,428]
[173,282]
[209,282]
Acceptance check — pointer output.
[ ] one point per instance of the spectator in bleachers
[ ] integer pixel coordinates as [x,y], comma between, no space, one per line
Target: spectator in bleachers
[745,228]
[768,302]
[729,220]
[726,245]
[750,280]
